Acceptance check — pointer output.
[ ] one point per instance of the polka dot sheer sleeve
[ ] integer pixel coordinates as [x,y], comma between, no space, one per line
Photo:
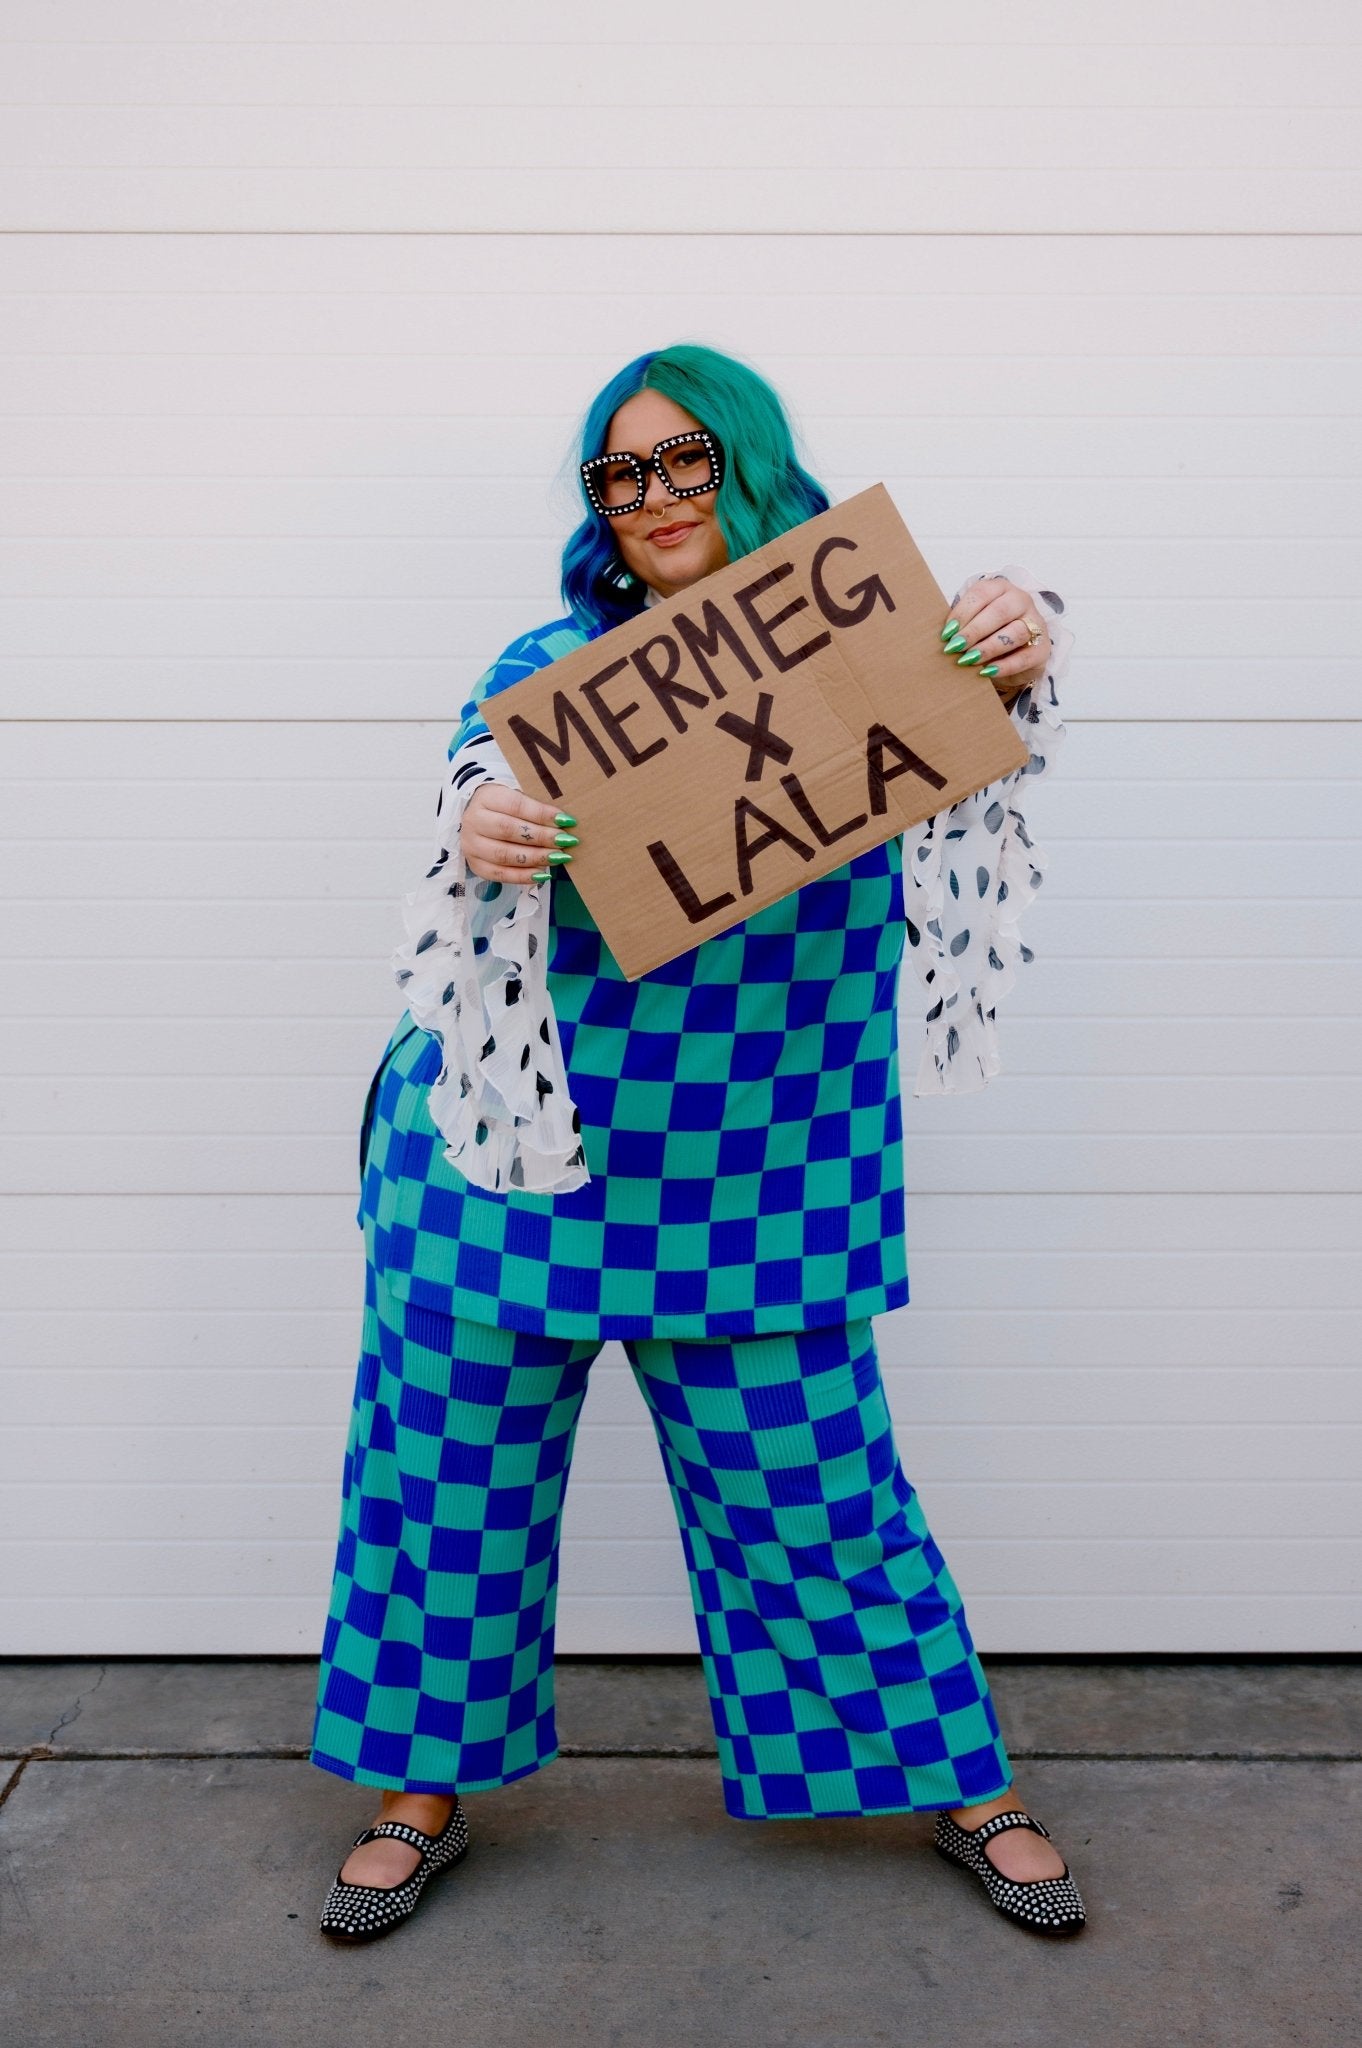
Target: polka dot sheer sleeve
[473,972]
[968,874]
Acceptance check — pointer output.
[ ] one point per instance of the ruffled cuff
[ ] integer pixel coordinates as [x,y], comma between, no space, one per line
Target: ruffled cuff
[968,874]
[474,970]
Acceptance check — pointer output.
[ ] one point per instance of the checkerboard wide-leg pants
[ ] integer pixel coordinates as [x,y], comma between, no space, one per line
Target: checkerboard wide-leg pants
[841,1672]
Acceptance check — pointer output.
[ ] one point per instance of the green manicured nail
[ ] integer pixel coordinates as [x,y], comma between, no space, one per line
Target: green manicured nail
[541,874]
[975,654]
[951,626]
[991,670]
[556,858]
[954,645]
[564,839]
[562,818]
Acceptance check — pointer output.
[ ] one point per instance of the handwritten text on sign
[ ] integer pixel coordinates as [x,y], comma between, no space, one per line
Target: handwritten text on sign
[755,731]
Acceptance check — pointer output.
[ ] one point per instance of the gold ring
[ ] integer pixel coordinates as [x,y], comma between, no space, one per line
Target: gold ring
[1034,630]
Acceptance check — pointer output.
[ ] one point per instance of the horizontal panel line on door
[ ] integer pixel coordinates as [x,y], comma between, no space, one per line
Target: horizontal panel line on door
[743,234]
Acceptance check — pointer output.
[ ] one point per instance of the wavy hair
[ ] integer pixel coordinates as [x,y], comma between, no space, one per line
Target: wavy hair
[765,488]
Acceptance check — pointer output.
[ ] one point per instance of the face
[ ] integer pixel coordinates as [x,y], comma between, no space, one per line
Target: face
[670,542]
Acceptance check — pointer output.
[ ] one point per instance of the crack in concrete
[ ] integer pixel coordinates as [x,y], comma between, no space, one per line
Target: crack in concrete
[73,1713]
[300,1752]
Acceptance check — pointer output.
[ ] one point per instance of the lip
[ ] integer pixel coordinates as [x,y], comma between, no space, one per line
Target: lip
[668,536]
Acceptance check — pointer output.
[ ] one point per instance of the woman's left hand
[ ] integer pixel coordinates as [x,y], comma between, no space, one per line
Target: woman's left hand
[989,617]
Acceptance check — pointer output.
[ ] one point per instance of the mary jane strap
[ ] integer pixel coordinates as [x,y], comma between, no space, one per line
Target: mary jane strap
[424,1844]
[1010,1817]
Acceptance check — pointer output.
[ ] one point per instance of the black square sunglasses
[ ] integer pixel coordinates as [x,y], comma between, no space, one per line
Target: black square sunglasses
[687,464]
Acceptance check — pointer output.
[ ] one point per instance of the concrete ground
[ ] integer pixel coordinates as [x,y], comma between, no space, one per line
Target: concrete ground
[166,1846]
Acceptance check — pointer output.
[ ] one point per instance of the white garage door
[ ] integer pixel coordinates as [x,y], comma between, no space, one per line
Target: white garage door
[301,301]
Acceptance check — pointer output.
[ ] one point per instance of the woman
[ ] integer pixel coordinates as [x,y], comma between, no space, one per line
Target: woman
[705,1163]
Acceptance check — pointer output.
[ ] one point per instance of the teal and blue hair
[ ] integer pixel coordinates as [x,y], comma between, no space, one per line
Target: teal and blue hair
[765,488]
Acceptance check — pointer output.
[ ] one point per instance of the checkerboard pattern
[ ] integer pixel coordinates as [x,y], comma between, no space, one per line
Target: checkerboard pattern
[841,1671]
[740,1112]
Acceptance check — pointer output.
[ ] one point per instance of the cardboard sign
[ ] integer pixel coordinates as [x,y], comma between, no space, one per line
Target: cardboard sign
[755,731]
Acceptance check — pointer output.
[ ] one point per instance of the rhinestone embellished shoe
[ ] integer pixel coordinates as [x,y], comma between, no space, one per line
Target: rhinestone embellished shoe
[358,1912]
[1047,1905]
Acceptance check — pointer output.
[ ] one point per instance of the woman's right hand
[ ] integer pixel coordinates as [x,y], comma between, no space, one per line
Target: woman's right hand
[509,837]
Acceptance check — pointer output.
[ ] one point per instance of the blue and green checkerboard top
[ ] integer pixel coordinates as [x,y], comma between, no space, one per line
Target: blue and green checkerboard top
[740,1111]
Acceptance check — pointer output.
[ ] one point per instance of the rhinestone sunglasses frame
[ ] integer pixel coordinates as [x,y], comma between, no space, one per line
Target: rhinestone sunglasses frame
[640,468]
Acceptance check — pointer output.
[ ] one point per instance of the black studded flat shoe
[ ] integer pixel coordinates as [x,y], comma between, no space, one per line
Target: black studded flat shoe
[1047,1905]
[358,1912]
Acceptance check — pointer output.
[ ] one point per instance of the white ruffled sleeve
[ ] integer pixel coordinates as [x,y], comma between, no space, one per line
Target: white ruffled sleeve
[474,970]
[968,874]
